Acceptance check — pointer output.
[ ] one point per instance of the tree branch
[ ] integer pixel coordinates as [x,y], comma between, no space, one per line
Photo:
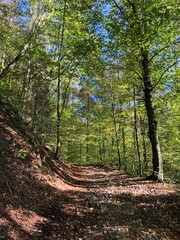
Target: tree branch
[122,12]
[160,50]
[173,64]
[36,25]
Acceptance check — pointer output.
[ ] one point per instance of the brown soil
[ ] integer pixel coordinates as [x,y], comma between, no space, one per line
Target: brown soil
[42,198]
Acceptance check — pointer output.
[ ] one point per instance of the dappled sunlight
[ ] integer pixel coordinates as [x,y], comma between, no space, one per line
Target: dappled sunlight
[26,219]
[109,207]
[43,198]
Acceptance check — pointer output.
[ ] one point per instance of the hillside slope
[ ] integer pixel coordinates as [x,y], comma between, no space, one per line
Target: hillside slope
[25,171]
[42,198]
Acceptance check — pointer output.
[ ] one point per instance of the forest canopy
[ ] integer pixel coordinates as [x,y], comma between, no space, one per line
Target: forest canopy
[98,81]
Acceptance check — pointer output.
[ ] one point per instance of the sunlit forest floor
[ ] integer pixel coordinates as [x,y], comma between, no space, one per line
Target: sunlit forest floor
[42,198]
[85,203]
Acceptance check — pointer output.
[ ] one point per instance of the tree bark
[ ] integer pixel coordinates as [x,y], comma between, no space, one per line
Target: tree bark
[152,122]
[87,129]
[124,149]
[58,141]
[136,134]
[142,124]
[117,137]
[100,144]
[59,112]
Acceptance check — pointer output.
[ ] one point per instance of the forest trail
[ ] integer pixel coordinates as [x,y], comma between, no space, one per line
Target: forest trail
[42,198]
[78,202]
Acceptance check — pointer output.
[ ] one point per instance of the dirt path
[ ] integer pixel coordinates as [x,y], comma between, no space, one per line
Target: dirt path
[88,203]
[73,202]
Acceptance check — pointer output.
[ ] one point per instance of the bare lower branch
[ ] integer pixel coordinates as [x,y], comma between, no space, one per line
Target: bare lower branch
[173,64]
[162,49]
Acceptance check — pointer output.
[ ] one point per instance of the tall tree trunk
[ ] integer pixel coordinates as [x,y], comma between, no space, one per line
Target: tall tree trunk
[61,39]
[58,140]
[111,151]
[87,129]
[139,170]
[142,124]
[152,122]
[100,144]
[135,171]
[124,149]
[117,137]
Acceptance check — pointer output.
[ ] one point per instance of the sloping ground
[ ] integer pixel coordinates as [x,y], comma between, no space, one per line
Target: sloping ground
[75,202]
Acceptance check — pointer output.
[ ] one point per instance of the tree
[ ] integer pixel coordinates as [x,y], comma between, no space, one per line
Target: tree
[142,31]
[25,32]
[91,78]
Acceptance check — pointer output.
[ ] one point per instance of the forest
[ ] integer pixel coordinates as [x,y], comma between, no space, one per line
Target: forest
[97,81]
[89,120]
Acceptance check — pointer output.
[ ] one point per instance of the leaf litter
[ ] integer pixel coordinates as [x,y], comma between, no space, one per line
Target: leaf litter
[44,198]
